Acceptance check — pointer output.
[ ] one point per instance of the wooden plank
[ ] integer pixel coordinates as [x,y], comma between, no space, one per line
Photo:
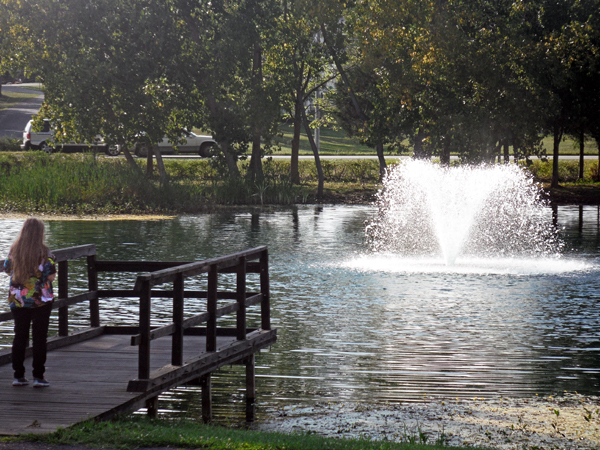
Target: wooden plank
[93,287]
[241,298]
[170,375]
[65,254]
[211,307]
[196,268]
[136,266]
[79,298]
[89,379]
[63,292]
[152,266]
[265,305]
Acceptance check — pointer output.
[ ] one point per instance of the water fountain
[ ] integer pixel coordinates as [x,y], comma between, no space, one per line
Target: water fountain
[459,215]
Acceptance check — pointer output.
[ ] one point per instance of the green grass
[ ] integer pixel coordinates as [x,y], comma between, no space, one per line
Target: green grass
[335,142]
[569,147]
[88,183]
[136,432]
[10,99]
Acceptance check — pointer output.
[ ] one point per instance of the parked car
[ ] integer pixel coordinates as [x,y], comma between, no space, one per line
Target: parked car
[194,143]
[44,140]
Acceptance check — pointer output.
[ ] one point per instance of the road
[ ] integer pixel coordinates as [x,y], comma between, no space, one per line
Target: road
[13,120]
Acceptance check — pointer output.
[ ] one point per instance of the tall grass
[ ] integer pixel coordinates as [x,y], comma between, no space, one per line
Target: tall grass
[93,184]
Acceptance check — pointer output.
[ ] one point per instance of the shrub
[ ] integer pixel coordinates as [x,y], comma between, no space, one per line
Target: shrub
[10,144]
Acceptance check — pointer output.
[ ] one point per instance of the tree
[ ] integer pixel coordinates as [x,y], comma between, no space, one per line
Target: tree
[298,60]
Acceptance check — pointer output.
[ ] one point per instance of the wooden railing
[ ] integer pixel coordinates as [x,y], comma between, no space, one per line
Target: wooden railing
[239,263]
[160,272]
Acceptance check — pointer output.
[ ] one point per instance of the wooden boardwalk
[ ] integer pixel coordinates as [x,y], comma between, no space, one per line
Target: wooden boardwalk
[103,371]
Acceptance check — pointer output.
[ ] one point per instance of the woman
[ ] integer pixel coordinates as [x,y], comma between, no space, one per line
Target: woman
[32,270]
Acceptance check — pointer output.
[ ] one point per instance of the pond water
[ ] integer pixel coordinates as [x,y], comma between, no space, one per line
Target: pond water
[358,327]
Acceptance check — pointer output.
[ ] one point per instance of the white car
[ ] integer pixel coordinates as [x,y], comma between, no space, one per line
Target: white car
[44,140]
[194,143]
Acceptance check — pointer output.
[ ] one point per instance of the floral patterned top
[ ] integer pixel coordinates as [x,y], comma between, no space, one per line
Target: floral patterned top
[37,291]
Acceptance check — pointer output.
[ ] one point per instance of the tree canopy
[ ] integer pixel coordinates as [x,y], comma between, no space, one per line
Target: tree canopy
[472,77]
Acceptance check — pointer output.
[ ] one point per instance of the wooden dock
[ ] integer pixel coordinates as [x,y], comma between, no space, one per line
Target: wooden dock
[102,371]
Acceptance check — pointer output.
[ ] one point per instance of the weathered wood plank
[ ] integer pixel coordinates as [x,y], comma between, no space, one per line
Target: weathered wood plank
[65,254]
[196,268]
[169,375]
[89,379]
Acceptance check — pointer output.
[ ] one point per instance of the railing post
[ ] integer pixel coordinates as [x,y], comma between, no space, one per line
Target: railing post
[211,308]
[63,292]
[265,304]
[177,342]
[241,299]
[93,286]
[144,350]
[205,383]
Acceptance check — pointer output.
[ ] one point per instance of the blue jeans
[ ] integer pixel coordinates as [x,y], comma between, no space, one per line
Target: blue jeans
[39,318]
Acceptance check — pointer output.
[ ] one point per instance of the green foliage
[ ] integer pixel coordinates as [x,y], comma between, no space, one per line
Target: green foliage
[568,171]
[88,183]
[9,144]
[131,433]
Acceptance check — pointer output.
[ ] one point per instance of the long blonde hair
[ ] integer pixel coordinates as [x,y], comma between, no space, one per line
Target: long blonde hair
[28,251]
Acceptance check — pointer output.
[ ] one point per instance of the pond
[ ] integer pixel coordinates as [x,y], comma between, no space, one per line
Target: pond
[358,327]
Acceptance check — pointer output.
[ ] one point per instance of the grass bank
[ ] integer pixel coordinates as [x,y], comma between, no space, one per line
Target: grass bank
[135,432]
[335,142]
[85,183]
[79,184]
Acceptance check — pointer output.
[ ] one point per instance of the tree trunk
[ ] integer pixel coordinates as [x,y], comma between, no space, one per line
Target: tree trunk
[313,145]
[418,150]
[298,117]
[346,80]
[597,139]
[581,153]
[558,134]
[445,155]
[342,73]
[230,160]
[382,163]
[256,172]
[149,164]
[215,110]
[164,179]
[130,160]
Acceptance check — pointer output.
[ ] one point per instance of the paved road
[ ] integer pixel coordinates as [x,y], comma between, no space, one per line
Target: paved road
[13,120]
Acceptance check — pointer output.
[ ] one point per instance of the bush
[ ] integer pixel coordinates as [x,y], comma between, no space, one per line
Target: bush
[568,171]
[10,144]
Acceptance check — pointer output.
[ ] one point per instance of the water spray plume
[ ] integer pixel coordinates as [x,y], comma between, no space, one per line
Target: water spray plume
[426,210]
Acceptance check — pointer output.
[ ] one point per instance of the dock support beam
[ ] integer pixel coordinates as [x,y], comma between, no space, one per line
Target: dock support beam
[250,388]
[152,407]
[206,398]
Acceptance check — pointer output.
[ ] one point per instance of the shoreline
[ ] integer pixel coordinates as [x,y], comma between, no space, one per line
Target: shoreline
[569,421]
[580,195]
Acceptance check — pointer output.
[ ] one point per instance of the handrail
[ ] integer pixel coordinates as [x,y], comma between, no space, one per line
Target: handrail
[250,261]
[238,262]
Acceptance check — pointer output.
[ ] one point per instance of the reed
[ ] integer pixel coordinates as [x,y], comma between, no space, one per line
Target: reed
[89,183]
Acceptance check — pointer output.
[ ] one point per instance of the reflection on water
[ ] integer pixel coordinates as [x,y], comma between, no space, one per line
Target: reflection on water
[359,327]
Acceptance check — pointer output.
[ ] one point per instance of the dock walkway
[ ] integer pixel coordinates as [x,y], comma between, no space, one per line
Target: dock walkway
[102,371]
